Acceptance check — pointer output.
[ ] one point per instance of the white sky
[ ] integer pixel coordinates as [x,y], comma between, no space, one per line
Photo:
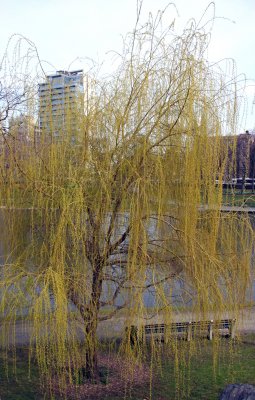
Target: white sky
[64,30]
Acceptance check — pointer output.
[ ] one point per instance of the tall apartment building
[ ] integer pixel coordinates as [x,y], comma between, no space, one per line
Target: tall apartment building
[61,104]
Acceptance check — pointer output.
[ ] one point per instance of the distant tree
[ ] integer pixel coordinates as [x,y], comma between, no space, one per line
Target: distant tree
[9,100]
[118,213]
[18,73]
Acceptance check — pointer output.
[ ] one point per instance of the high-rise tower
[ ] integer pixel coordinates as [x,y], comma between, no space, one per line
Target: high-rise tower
[61,103]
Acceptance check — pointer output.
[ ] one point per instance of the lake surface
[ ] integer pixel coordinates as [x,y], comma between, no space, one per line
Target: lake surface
[179,291]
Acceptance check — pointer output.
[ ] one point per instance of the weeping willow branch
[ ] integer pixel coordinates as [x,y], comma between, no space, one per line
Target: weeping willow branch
[123,209]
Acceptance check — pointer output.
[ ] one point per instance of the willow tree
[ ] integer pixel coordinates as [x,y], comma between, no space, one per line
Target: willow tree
[130,205]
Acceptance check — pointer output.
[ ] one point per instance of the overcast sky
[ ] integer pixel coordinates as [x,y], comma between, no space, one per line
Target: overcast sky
[64,31]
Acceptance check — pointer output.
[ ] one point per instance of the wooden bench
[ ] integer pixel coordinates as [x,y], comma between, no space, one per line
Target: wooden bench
[186,329]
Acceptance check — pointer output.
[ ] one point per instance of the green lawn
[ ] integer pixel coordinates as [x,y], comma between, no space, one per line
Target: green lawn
[201,377]
[198,376]
[236,198]
[16,381]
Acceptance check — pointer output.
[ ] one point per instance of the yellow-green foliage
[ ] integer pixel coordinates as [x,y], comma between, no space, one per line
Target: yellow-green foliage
[130,203]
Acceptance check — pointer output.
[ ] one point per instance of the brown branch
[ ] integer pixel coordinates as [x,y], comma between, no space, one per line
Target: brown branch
[113,313]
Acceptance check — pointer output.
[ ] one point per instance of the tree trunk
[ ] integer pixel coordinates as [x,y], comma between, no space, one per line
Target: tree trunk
[89,314]
[90,370]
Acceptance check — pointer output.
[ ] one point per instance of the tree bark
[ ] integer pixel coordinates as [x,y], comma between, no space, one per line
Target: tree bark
[90,315]
[90,371]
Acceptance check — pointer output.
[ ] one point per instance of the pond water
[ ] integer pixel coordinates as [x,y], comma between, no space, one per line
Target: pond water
[179,292]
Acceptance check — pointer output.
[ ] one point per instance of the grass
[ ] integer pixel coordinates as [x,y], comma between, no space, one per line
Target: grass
[199,377]
[236,198]
[16,381]
[202,376]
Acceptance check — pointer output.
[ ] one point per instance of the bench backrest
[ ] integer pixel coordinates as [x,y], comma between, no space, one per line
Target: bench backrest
[182,326]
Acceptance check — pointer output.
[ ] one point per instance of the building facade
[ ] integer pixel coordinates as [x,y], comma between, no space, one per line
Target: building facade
[61,104]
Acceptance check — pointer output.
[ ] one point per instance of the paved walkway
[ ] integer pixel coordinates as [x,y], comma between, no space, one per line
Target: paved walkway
[245,321]
[114,328]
